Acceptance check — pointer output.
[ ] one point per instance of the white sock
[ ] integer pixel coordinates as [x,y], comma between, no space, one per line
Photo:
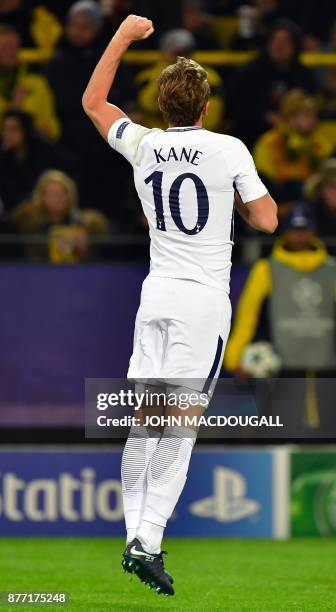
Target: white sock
[166,476]
[130,534]
[150,536]
[138,451]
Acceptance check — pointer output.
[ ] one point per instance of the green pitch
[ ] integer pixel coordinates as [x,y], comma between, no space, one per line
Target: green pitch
[210,575]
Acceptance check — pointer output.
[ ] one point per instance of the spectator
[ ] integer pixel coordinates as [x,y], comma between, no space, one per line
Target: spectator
[266,80]
[24,155]
[320,189]
[289,153]
[278,278]
[289,299]
[76,58]
[196,21]
[53,203]
[79,242]
[68,74]
[173,44]
[24,90]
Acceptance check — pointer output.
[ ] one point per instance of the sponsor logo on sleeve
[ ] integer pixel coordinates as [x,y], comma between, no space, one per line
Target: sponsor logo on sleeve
[122,127]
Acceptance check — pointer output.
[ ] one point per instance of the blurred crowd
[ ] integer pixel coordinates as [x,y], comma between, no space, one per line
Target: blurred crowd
[64,190]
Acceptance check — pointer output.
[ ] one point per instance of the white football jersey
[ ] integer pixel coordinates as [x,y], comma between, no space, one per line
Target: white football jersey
[185,178]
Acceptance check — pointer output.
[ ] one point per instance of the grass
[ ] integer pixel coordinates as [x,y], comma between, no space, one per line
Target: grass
[212,575]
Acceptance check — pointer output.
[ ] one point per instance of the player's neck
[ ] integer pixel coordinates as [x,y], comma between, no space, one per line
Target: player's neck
[198,123]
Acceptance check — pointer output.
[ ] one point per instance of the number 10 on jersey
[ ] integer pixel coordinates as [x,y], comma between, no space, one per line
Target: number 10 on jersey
[175,204]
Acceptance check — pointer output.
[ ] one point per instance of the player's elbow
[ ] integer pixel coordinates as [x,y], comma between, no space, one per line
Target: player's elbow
[269,224]
[262,214]
[90,103]
[87,103]
[266,223]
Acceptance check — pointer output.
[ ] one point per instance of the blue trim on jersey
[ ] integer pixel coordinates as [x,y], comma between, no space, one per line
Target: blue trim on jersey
[188,129]
[236,190]
[232,231]
[214,365]
[122,127]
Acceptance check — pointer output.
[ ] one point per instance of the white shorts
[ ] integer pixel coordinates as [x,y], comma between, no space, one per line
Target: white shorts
[181,330]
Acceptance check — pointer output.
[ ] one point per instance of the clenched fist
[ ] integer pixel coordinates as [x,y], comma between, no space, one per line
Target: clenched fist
[135,28]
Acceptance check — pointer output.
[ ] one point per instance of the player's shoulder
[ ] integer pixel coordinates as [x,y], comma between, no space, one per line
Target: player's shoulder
[147,136]
[226,143]
[154,133]
[141,131]
[231,141]
[124,130]
[223,138]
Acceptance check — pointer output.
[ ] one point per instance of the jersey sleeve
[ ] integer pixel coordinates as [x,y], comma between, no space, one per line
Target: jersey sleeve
[247,182]
[125,137]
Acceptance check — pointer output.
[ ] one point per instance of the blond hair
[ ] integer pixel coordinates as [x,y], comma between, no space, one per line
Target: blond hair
[184,90]
[54,176]
[295,101]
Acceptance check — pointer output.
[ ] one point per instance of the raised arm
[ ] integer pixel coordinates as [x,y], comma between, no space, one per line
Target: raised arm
[261,214]
[94,99]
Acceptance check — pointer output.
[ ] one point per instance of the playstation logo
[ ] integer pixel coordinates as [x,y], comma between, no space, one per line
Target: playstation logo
[229,502]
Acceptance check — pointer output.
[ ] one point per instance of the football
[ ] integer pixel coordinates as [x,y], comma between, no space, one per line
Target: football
[260,361]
